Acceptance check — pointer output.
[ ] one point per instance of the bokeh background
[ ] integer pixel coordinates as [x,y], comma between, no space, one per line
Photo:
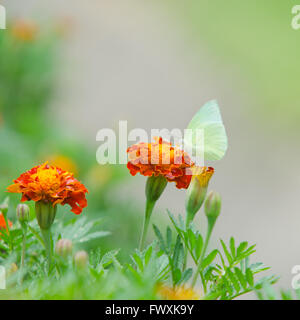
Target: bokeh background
[70,68]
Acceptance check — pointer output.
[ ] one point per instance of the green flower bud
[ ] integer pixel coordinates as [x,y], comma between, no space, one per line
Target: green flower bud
[194,199]
[23,213]
[81,259]
[45,214]
[64,248]
[213,205]
[197,190]
[155,186]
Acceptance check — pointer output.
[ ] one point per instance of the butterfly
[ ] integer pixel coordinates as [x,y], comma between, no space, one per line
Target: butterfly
[206,133]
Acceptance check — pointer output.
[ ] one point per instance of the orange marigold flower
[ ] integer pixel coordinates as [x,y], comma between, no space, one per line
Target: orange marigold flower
[177,293]
[51,184]
[3,223]
[160,158]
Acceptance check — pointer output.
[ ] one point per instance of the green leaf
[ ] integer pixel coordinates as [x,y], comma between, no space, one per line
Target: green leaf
[209,259]
[241,277]
[186,275]
[243,245]
[138,261]
[249,276]
[228,256]
[232,247]
[109,258]
[192,239]
[169,238]
[198,246]
[176,275]
[148,255]
[233,280]
[178,253]
[160,238]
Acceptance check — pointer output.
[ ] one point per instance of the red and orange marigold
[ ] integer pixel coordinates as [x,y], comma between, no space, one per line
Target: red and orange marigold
[160,158]
[51,184]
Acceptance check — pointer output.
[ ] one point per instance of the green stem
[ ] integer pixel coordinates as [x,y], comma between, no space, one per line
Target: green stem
[23,254]
[148,211]
[46,233]
[209,232]
[187,223]
[23,251]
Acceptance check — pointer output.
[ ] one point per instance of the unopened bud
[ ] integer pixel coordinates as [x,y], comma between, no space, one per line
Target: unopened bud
[81,259]
[45,214]
[23,213]
[154,187]
[194,199]
[64,248]
[213,205]
[197,190]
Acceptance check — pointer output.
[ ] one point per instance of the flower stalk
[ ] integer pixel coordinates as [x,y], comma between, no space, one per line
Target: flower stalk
[154,188]
[148,212]
[212,210]
[45,214]
[23,213]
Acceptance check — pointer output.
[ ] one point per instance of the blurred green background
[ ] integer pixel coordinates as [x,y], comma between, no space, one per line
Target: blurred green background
[78,67]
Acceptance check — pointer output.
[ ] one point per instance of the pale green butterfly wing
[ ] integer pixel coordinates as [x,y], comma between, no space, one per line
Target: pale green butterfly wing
[214,141]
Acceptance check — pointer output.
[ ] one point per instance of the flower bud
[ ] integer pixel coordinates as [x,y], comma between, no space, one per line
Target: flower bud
[64,248]
[197,190]
[154,187]
[213,205]
[45,214]
[81,259]
[23,213]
